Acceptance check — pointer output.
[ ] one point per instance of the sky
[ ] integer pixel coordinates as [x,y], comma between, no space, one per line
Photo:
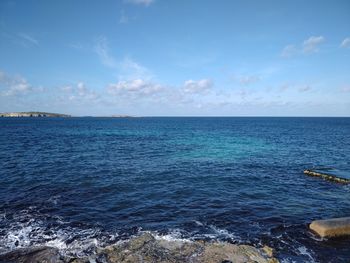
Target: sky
[176,58]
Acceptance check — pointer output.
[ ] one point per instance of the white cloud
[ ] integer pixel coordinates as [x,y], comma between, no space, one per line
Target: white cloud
[136,87]
[196,87]
[127,68]
[79,93]
[102,50]
[146,90]
[289,50]
[67,88]
[13,85]
[130,69]
[345,43]
[140,2]
[28,38]
[311,45]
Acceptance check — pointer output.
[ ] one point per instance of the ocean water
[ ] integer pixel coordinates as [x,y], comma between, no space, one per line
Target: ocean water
[78,183]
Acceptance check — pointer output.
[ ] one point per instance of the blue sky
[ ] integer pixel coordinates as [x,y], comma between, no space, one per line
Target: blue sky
[183,58]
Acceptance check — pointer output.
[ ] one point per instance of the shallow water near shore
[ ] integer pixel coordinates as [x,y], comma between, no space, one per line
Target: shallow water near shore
[78,183]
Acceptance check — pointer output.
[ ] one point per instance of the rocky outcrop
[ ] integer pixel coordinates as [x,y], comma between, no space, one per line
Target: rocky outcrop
[327,176]
[32,114]
[331,227]
[32,255]
[150,249]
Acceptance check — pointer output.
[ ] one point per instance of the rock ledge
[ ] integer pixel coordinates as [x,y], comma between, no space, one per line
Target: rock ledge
[150,249]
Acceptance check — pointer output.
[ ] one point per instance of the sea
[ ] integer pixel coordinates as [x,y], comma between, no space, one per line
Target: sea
[81,183]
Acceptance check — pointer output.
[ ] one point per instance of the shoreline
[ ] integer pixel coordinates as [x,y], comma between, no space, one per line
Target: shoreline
[149,247]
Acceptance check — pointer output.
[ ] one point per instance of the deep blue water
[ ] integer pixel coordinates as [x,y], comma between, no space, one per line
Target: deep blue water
[78,182]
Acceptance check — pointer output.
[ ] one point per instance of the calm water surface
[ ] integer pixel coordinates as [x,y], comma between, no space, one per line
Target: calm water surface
[77,182]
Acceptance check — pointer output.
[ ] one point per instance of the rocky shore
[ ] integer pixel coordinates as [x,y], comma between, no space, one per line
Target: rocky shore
[146,249]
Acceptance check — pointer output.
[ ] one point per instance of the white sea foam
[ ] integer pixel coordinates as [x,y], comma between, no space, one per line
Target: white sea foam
[223,233]
[199,223]
[26,231]
[304,251]
[172,235]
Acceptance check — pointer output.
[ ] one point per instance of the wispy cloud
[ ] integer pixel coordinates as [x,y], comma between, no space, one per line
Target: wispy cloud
[309,46]
[147,90]
[78,93]
[288,51]
[13,85]
[19,38]
[103,52]
[130,69]
[345,43]
[140,2]
[136,87]
[126,67]
[28,38]
[197,87]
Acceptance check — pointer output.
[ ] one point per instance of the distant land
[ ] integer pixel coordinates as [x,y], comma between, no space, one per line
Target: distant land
[122,116]
[33,114]
[38,114]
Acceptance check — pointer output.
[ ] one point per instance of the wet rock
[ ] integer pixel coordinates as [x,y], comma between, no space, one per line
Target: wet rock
[32,255]
[268,250]
[141,241]
[330,175]
[146,248]
[221,252]
[331,227]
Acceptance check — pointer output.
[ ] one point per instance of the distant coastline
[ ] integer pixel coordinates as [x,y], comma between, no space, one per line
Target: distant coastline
[36,114]
[39,114]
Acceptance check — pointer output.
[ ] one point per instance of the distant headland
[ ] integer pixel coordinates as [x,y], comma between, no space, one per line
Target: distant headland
[122,116]
[33,114]
[38,114]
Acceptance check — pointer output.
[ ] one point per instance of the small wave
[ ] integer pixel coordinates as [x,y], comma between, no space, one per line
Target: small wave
[173,235]
[304,251]
[54,199]
[223,233]
[24,230]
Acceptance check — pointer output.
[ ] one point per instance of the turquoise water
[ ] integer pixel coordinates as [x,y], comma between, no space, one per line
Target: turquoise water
[78,183]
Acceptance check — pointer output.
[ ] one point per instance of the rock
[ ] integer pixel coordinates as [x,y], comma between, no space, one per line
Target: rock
[330,175]
[268,250]
[139,242]
[221,252]
[147,249]
[32,255]
[331,227]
